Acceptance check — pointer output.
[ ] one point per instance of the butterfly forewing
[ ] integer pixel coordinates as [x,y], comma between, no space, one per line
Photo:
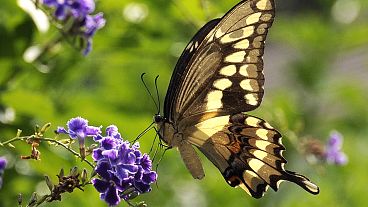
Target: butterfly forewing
[225,75]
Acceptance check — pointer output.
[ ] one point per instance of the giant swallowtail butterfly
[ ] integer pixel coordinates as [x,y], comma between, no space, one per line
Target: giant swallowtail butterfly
[218,77]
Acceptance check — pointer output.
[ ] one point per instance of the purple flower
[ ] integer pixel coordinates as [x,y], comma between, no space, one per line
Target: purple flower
[3,163]
[333,153]
[122,168]
[78,128]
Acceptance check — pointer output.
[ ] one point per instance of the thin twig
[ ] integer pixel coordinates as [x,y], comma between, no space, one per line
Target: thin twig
[48,140]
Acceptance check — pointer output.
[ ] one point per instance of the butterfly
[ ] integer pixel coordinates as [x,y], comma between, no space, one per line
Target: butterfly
[218,78]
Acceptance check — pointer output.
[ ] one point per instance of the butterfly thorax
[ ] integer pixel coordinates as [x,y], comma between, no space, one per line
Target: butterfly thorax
[167,132]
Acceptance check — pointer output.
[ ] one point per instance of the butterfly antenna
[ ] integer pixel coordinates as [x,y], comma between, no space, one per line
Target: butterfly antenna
[158,95]
[149,92]
[143,132]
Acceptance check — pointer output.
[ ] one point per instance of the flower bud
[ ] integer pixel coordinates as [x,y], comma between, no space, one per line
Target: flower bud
[45,128]
[33,200]
[84,176]
[20,199]
[49,183]
[61,173]
[74,171]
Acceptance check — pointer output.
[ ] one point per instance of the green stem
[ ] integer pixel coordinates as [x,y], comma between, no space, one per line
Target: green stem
[14,140]
[48,46]
[68,148]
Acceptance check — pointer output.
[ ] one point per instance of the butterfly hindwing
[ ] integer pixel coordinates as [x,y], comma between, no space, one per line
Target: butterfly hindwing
[248,153]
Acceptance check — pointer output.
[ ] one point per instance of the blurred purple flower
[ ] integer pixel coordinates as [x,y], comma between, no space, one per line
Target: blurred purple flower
[76,8]
[84,23]
[123,170]
[92,24]
[3,163]
[333,153]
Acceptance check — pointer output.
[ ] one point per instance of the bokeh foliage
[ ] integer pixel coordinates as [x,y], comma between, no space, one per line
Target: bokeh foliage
[315,68]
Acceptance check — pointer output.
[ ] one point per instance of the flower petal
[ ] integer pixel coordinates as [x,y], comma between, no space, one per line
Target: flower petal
[88,47]
[110,154]
[108,143]
[102,169]
[100,185]
[335,140]
[111,196]
[131,168]
[61,130]
[341,159]
[149,178]
[129,158]
[77,124]
[97,154]
[97,138]
[121,173]
[3,163]
[112,131]
[89,5]
[94,23]
[92,131]
[60,12]
[142,187]
[146,163]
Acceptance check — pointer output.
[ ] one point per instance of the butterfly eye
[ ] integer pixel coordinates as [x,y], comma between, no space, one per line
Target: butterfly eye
[158,118]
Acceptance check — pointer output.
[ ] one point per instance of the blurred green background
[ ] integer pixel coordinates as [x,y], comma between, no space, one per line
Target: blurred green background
[316,61]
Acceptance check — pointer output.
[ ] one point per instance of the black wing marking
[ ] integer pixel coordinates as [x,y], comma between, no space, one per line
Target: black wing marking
[182,63]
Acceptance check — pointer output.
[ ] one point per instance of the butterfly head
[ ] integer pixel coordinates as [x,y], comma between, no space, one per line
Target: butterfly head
[166,130]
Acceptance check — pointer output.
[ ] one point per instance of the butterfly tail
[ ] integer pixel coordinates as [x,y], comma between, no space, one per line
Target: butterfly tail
[302,181]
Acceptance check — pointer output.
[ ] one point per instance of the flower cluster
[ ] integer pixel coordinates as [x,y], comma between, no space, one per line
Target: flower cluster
[333,153]
[2,168]
[84,24]
[125,172]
